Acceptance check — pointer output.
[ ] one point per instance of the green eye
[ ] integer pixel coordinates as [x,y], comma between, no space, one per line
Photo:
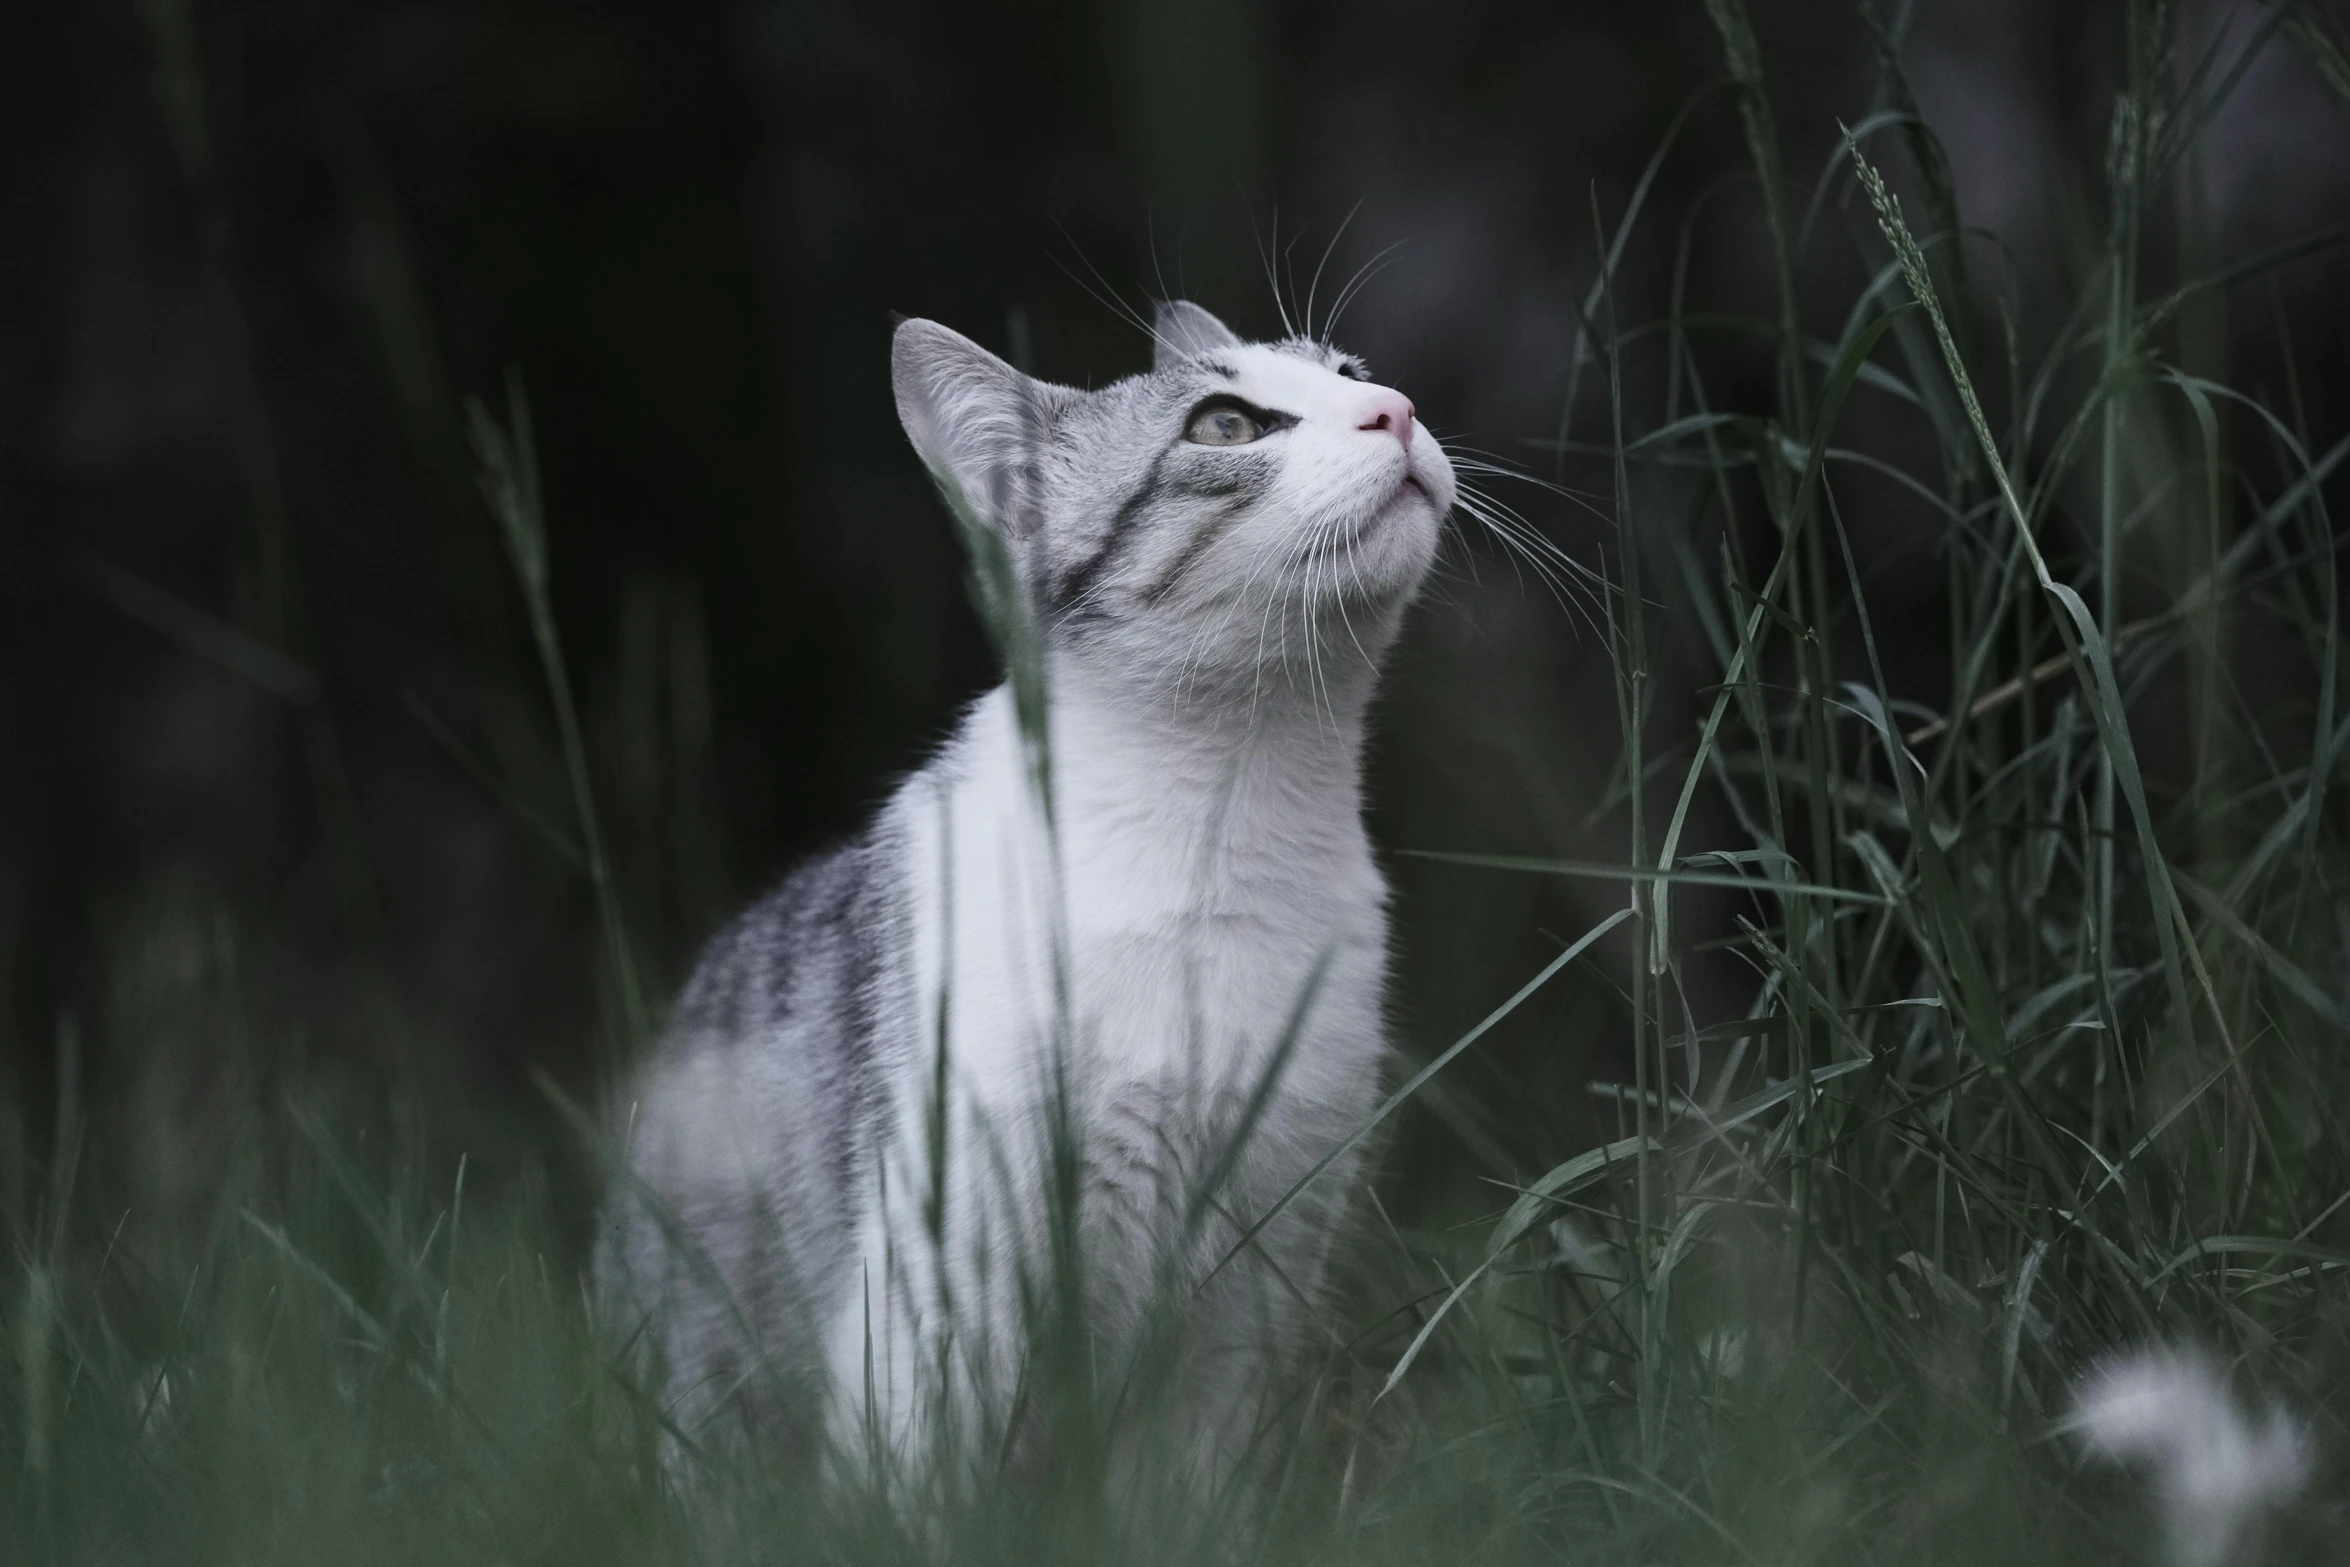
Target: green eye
[1223,426]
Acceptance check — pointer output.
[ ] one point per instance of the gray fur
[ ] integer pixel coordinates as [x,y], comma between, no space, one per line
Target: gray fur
[730,1234]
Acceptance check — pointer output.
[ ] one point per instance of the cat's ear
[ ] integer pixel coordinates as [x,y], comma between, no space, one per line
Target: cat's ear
[977,424]
[1184,332]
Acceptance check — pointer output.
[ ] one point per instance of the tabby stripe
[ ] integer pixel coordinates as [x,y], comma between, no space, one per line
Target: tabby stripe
[1082,576]
[1208,533]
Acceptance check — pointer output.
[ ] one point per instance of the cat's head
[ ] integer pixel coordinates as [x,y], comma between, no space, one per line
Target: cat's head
[1238,508]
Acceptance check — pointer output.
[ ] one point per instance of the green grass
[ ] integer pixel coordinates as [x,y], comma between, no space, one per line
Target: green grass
[2036,1048]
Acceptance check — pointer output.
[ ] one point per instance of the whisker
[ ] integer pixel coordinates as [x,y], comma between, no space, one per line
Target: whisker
[1106,295]
[1534,535]
[1328,250]
[1560,572]
[1326,565]
[1548,556]
[1469,457]
[1345,619]
[1316,683]
[1364,274]
[1268,252]
[1517,520]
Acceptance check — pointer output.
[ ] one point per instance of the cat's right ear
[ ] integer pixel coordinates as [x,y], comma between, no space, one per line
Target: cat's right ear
[976,423]
[1182,332]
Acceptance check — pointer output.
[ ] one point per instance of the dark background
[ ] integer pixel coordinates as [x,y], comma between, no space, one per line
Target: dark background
[253,254]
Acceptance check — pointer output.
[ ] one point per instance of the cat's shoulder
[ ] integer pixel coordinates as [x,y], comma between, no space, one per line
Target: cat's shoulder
[750,973]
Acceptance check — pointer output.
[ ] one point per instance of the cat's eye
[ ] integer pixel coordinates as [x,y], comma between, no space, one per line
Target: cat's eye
[1224,424]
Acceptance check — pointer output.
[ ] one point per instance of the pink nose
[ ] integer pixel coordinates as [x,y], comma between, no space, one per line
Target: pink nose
[1389,411]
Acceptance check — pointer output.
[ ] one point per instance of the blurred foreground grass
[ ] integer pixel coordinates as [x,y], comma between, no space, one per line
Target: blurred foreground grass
[2040,1053]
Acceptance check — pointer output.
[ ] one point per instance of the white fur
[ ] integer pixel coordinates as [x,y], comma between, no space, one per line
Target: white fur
[2215,1470]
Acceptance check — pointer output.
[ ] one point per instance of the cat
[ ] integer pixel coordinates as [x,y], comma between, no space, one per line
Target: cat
[1138,948]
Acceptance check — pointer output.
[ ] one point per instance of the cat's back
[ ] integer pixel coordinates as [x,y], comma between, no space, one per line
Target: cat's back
[807,953]
[750,1123]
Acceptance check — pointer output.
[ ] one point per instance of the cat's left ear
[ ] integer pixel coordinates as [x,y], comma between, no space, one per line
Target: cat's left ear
[978,425]
[1183,332]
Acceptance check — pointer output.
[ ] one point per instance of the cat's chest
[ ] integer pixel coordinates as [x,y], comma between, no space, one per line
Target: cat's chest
[1167,975]
[1160,937]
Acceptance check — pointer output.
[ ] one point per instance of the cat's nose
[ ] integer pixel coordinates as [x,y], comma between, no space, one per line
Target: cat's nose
[1389,411]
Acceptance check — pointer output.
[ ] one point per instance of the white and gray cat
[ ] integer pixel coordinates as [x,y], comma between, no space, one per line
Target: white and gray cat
[843,1152]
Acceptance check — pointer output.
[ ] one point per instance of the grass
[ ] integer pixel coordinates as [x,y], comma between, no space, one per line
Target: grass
[2032,1045]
